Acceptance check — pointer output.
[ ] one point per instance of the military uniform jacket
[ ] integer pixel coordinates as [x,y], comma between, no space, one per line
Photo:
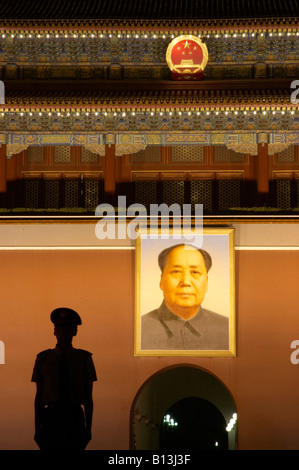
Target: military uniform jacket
[80,372]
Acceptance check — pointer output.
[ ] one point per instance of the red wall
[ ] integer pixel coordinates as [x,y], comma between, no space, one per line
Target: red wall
[100,285]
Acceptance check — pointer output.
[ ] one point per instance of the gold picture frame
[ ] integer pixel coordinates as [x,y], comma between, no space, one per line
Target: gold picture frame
[212,331]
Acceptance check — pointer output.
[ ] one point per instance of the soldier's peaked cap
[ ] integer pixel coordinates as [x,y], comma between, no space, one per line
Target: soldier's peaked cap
[64,316]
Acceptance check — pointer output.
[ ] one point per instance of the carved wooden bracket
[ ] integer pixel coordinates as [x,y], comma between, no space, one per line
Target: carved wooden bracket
[124,149]
[276,148]
[250,149]
[13,149]
[99,149]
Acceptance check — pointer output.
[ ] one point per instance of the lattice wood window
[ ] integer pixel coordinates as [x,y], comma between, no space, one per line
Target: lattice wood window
[88,157]
[173,192]
[62,154]
[146,192]
[35,155]
[91,194]
[229,194]
[187,154]
[51,189]
[31,192]
[152,154]
[283,193]
[224,155]
[202,193]
[71,198]
[286,156]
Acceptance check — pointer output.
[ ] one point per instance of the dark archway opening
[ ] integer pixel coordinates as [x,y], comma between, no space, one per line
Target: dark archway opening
[193,424]
[186,388]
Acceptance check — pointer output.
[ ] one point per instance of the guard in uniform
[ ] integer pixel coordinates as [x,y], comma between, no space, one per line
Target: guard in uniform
[64,378]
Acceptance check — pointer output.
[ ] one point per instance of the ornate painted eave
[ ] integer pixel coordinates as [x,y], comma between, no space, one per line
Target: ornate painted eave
[109,25]
[146,114]
[132,55]
[148,9]
[144,95]
[138,28]
[100,70]
[168,15]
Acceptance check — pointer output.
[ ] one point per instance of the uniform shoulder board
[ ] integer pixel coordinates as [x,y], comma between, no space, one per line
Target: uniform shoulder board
[44,353]
[83,351]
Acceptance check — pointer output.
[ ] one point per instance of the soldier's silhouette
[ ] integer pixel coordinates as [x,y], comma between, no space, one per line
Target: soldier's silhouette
[64,379]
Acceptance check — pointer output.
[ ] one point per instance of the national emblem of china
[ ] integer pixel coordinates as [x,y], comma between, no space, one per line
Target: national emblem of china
[187,57]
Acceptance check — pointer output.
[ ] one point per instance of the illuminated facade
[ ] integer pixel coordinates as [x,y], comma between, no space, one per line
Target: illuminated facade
[91,109]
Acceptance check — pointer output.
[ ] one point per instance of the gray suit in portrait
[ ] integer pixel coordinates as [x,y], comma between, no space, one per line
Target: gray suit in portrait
[161,329]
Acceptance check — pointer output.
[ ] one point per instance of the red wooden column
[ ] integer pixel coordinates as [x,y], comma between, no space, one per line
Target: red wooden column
[3,169]
[109,175]
[262,169]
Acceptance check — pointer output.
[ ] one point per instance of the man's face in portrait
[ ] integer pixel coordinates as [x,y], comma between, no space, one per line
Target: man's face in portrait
[184,281]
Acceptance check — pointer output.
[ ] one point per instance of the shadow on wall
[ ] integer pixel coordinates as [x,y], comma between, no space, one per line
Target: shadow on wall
[183,391]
